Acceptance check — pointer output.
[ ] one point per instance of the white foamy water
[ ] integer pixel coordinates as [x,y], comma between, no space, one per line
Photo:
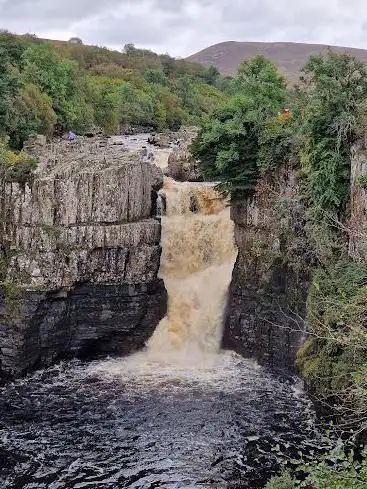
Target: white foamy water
[198,255]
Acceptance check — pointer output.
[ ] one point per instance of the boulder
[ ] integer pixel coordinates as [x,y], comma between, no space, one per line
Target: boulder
[182,166]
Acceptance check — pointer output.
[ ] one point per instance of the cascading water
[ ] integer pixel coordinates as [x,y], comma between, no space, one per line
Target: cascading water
[198,254]
[180,414]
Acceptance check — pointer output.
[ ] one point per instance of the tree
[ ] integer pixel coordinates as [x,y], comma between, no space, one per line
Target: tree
[9,86]
[33,113]
[156,76]
[13,46]
[87,86]
[58,78]
[167,64]
[335,86]
[129,48]
[211,75]
[228,145]
[75,40]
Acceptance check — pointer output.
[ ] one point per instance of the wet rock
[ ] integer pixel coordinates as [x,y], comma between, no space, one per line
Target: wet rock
[85,321]
[160,140]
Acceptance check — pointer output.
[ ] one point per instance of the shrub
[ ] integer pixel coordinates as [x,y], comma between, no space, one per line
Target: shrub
[362,180]
[333,360]
[17,167]
[284,481]
[337,469]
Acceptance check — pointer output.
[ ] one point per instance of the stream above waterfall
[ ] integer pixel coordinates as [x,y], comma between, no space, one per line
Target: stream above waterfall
[180,414]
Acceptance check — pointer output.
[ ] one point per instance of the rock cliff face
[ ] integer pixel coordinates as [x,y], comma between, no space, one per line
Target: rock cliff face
[267,297]
[182,166]
[80,254]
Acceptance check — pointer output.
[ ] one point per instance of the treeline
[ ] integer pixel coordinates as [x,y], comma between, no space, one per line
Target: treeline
[51,87]
[249,137]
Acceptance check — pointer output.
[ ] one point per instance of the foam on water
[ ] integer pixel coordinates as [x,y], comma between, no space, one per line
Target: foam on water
[181,413]
[198,255]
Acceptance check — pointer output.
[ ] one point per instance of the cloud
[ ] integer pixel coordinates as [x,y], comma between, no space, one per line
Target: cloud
[182,27]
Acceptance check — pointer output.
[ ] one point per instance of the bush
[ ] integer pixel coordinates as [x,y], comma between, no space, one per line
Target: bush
[17,167]
[362,180]
[285,481]
[333,360]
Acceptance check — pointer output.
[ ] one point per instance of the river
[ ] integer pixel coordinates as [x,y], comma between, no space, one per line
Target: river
[180,414]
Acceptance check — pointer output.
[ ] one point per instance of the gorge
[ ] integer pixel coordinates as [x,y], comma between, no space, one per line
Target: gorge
[181,412]
[182,267]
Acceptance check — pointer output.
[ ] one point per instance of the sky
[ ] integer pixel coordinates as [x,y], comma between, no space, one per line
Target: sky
[183,27]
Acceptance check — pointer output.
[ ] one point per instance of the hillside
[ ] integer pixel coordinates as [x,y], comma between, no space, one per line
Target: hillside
[289,57]
[52,87]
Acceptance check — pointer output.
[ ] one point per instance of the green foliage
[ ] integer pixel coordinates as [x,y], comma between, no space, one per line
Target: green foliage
[9,86]
[60,79]
[211,76]
[53,86]
[17,167]
[240,138]
[13,46]
[334,87]
[227,149]
[337,469]
[278,144]
[260,81]
[333,360]
[362,180]
[284,481]
[33,114]
[12,293]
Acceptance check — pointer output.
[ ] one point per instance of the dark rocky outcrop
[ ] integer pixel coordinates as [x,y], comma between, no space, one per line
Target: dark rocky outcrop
[80,253]
[267,297]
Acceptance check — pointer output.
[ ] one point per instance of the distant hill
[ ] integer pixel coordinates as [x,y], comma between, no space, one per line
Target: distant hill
[289,57]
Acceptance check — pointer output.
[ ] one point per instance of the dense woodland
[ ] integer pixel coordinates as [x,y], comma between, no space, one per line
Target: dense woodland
[251,136]
[52,87]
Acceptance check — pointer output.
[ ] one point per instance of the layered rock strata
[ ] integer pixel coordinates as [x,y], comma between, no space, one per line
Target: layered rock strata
[267,297]
[80,253]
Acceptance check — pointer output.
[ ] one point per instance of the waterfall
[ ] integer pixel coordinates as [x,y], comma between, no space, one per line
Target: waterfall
[198,254]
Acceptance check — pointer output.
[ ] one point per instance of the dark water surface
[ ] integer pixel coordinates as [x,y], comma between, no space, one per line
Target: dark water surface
[141,423]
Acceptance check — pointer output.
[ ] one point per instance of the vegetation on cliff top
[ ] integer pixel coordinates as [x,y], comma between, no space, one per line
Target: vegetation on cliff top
[245,134]
[48,86]
[251,136]
[15,166]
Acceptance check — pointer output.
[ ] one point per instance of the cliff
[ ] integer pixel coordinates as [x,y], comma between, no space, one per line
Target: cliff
[80,255]
[267,297]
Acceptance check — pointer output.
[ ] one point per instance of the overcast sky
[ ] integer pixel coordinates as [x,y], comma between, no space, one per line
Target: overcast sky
[182,27]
